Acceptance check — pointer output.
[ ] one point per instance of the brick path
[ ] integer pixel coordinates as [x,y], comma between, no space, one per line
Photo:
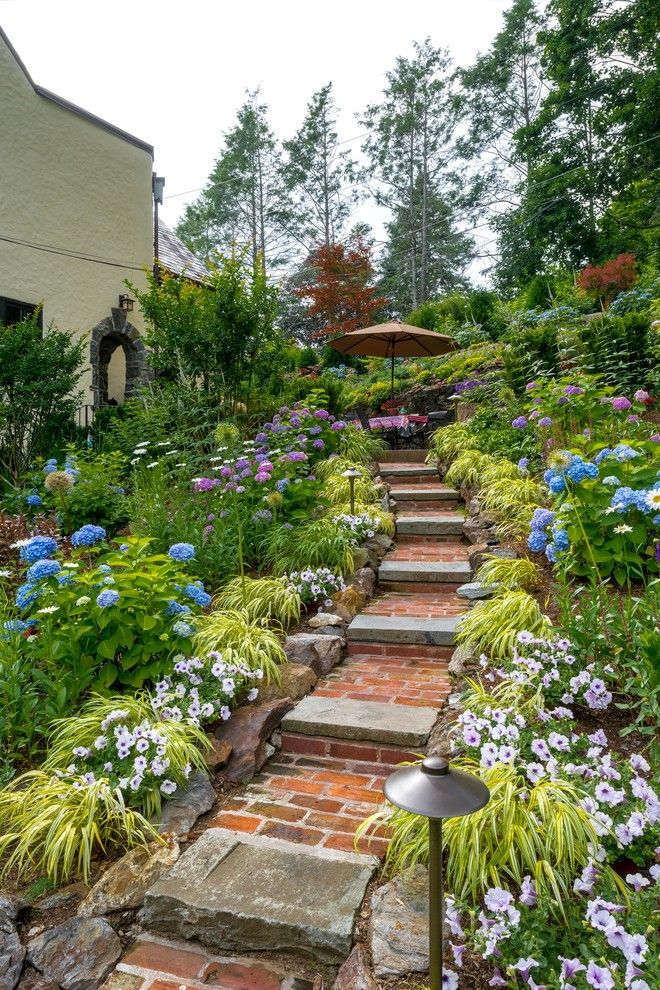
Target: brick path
[317,789]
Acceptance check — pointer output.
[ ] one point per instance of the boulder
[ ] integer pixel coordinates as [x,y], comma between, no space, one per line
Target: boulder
[475,591]
[77,955]
[365,581]
[296,681]
[399,926]
[473,507]
[442,733]
[218,754]
[12,955]
[248,730]
[355,973]
[179,814]
[460,658]
[123,886]
[380,544]
[314,650]
[480,553]
[323,619]
[32,980]
[63,898]
[352,599]
[363,556]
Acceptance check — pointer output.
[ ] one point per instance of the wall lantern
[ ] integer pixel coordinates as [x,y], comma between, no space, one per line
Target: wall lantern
[435,791]
[126,303]
[351,474]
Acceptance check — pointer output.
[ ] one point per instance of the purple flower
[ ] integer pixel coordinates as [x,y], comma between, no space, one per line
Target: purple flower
[569,967]
[523,463]
[620,403]
[496,980]
[641,395]
[530,385]
[519,423]
[498,900]
[573,390]
[528,892]
[338,425]
[525,966]
[322,414]
[599,977]
[457,951]
[296,455]
[107,598]
[545,421]
[261,477]
[318,444]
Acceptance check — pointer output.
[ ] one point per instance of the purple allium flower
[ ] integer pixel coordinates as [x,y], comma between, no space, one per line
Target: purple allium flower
[519,423]
[620,403]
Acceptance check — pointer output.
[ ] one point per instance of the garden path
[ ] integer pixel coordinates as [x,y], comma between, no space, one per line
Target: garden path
[277,868]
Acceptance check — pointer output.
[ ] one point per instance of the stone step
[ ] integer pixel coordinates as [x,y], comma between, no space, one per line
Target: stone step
[403,457]
[430,524]
[423,493]
[408,471]
[238,892]
[365,721]
[402,629]
[426,571]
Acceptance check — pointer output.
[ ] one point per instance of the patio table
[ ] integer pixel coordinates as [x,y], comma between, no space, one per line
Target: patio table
[395,422]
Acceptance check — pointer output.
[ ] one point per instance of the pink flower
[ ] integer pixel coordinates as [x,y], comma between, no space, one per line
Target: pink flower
[620,403]
[261,477]
[642,396]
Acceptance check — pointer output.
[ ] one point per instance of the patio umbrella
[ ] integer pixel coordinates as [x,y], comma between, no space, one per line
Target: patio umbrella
[392,340]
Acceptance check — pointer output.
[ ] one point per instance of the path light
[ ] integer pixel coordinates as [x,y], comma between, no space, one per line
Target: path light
[351,474]
[435,791]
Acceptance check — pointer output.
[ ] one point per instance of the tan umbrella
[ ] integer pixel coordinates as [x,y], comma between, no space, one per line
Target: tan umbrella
[392,340]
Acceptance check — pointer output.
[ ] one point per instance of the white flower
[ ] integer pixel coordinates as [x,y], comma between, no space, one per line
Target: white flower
[48,610]
[623,528]
[18,544]
[71,565]
[83,600]
[153,464]
[653,498]
[5,573]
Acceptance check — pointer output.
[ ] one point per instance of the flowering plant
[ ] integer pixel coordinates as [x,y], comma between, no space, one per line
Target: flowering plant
[107,615]
[361,526]
[205,690]
[315,586]
[87,488]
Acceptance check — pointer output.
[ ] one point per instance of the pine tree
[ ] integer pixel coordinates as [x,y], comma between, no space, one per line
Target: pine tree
[410,150]
[318,174]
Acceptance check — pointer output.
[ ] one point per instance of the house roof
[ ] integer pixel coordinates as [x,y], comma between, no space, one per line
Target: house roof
[72,107]
[176,258]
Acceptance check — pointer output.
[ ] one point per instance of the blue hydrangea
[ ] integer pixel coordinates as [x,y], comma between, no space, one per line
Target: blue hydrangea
[42,569]
[551,553]
[557,485]
[580,470]
[175,608]
[107,598]
[542,518]
[15,626]
[37,548]
[611,480]
[182,551]
[26,595]
[197,594]
[602,454]
[282,483]
[561,541]
[183,628]
[623,452]
[65,579]
[34,500]
[537,540]
[88,535]
[626,498]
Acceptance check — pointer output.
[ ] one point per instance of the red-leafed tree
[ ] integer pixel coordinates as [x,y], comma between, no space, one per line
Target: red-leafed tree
[338,287]
[605,281]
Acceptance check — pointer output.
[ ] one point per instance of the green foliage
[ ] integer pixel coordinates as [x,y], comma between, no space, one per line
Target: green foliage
[448,442]
[260,598]
[467,468]
[521,574]
[72,827]
[324,392]
[491,626]
[360,446]
[257,646]
[618,349]
[336,489]
[39,374]
[533,353]
[319,543]
[97,497]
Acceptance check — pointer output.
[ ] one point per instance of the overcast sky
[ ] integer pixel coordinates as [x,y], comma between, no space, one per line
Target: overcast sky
[174,72]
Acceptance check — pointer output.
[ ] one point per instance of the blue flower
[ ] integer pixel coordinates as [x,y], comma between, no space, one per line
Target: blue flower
[551,553]
[519,423]
[579,470]
[625,498]
[523,463]
[34,500]
[37,548]
[181,551]
[542,518]
[537,540]
[124,547]
[561,540]
[26,595]
[611,480]
[88,535]
[602,454]
[282,483]
[14,626]
[105,568]
[107,598]
[42,569]
[623,452]
[557,484]
[197,594]
[183,628]
[175,608]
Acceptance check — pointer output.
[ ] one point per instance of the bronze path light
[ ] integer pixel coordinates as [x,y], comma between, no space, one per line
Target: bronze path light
[435,791]
[351,474]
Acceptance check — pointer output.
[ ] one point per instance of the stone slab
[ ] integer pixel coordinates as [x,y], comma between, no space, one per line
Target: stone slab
[439,571]
[405,470]
[430,524]
[366,721]
[403,629]
[242,892]
[416,493]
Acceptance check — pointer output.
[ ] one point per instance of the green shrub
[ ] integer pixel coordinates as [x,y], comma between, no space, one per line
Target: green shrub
[491,626]
[533,353]
[360,446]
[257,646]
[319,543]
[618,349]
[260,598]
[521,574]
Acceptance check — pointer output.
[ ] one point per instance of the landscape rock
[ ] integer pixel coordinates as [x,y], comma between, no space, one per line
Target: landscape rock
[352,599]
[33,980]
[322,619]
[475,591]
[364,556]
[219,753]
[488,548]
[77,955]
[365,581]
[380,544]
[473,507]
[248,730]
[460,658]
[355,974]
[443,731]
[314,650]
[9,910]
[123,886]
[63,898]
[179,814]
[399,926]
[12,955]
[297,680]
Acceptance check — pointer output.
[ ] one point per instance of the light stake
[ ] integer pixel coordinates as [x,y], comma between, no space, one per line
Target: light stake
[351,474]
[435,791]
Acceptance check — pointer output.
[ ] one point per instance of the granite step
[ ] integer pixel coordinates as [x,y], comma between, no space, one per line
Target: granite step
[364,721]
[238,892]
[425,571]
[408,470]
[430,524]
[423,493]
[403,457]
[403,629]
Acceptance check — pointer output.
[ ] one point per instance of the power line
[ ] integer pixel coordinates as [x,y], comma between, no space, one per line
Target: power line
[65,252]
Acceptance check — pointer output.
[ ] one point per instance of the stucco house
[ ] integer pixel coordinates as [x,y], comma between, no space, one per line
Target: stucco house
[76,220]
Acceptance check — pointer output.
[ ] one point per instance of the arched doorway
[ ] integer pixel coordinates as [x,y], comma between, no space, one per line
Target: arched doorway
[118,359]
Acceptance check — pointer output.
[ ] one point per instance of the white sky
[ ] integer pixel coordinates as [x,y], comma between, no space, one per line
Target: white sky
[173,72]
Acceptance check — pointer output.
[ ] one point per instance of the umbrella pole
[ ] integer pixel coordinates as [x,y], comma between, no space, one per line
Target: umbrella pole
[392,378]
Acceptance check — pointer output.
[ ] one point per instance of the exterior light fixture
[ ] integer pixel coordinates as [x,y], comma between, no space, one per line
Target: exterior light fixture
[435,791]
[157,189]
[126,303]
[351,474]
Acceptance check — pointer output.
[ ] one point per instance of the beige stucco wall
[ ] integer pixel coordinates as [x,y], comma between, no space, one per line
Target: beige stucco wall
[68,183]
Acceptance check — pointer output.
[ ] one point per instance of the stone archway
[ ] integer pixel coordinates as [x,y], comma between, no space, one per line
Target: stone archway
[113,332]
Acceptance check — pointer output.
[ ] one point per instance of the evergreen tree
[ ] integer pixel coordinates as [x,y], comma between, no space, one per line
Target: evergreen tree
[410,150]
[318,175]
[244,201]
